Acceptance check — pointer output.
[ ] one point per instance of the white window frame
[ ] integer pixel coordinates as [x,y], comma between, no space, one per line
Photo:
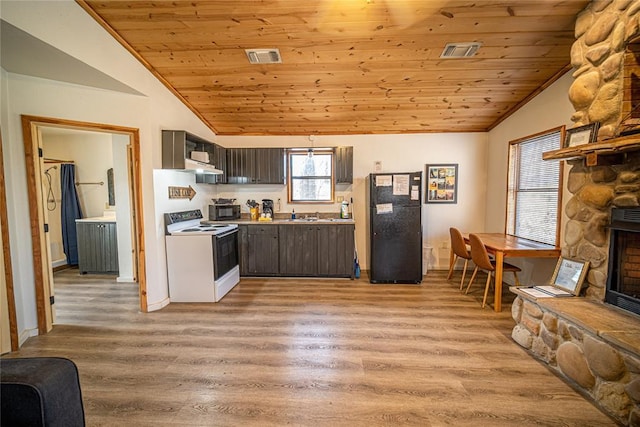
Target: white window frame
[514,211]
[291,177]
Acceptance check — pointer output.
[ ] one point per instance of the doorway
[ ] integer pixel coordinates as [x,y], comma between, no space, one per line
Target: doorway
[33,128]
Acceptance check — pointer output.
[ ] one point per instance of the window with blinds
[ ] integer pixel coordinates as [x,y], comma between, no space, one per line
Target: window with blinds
[311,176]
[534,188]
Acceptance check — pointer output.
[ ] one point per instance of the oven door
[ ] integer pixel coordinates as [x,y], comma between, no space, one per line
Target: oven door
[225,253]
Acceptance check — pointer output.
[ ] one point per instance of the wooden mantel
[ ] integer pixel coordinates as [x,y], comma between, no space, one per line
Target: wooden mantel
[591,151]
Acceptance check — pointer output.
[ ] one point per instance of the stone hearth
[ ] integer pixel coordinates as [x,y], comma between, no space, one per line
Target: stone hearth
[594,346]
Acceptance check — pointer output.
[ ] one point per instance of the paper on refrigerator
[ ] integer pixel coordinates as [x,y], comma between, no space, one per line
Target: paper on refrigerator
[384,208]
[400,185]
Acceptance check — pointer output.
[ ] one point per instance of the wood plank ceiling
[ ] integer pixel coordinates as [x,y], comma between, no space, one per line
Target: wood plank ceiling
[348,66]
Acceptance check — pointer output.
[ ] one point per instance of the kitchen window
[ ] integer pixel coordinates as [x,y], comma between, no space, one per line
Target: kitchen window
[534,190]
[310,178]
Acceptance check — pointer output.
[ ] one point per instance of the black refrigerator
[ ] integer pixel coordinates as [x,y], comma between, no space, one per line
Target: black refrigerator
[395,227]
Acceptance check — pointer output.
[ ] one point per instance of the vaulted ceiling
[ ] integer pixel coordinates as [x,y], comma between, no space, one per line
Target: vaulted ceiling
[348,66]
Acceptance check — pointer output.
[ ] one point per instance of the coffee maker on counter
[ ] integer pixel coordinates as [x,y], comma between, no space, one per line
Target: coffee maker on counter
[267,207]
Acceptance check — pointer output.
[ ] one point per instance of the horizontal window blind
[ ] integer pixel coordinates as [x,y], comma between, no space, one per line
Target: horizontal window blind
[534,189]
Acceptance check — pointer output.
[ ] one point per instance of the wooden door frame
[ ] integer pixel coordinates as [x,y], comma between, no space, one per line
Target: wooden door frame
[6,252]
[30,126]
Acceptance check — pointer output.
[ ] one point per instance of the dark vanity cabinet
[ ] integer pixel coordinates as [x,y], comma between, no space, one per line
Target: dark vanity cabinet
[97,247]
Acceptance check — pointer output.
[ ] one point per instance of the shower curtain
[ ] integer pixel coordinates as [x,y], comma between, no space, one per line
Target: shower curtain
[70,212]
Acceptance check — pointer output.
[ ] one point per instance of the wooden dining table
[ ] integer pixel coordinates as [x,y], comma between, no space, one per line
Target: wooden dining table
[503,246]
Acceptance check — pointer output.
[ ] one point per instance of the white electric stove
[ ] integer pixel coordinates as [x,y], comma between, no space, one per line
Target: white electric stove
[202,259]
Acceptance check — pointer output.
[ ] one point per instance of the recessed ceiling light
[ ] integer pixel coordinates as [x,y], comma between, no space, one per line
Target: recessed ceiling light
[264,56]
[460,50]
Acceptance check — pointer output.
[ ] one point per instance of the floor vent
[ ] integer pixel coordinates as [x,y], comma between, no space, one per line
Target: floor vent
[264,56]
[460,50]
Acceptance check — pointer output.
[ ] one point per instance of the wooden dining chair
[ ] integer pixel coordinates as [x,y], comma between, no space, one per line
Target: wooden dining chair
[482,261]
[459,248]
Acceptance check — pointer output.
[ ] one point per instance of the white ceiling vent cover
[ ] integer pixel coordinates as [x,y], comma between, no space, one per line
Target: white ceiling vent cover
[460,50]
[264,56]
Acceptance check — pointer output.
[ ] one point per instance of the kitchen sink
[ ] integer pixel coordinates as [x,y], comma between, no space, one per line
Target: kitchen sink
[314,219]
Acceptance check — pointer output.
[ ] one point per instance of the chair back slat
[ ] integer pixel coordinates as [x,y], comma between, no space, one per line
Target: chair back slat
[479,253]
[458,245]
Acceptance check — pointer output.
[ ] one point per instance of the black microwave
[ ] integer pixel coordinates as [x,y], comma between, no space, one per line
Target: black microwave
[224,212]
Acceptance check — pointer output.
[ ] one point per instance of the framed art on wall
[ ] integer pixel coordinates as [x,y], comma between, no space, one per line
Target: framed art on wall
[442,183]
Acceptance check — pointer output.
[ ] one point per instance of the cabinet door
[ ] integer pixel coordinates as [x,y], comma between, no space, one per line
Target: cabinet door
[177,145]
[220,162]
[97,247]
[110,247]
[298,250]
[243,250]
[335,250]
[240,165]
[86,233]
[344,165]
[269,164]
[263,256]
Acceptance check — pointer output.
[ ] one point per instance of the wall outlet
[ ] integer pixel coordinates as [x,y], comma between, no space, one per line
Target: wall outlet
[444,244]
[340,199]
[377,166]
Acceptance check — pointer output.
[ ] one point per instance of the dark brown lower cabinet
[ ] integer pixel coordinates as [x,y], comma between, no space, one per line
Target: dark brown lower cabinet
[335,250]
[297,250]
[259,250]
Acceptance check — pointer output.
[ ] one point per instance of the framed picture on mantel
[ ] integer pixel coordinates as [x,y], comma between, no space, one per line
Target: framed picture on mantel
[442,183]
[582,135]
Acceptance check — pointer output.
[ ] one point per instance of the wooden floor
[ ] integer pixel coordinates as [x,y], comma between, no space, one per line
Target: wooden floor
[304,353]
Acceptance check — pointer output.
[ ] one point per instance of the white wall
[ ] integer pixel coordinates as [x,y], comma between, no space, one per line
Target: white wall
[398,153]
[92,156]
[548,110]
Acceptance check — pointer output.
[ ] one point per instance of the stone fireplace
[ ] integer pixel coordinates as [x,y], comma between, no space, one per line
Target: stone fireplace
[593,345]
[605,90]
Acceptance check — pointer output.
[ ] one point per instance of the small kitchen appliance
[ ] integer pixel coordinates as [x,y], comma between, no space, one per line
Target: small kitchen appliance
[202,259]
[267,207]
[224,210]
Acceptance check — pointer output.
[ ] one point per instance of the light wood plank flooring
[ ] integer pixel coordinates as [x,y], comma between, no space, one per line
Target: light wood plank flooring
[304,353]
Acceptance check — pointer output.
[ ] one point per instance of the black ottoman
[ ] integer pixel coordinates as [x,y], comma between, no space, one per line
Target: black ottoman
[40,391]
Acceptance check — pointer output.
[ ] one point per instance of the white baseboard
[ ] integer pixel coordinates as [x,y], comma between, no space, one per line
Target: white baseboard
[26,334]
[124,279]
[158,305]
[59,263]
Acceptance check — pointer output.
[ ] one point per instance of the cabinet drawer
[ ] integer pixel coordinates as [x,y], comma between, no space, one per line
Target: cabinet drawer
[269,230]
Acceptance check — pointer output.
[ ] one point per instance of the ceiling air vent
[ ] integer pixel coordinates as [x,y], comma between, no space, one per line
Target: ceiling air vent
[460,50]
[264,56]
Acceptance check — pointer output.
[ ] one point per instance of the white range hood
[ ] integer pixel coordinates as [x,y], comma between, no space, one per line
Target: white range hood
[199,167]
